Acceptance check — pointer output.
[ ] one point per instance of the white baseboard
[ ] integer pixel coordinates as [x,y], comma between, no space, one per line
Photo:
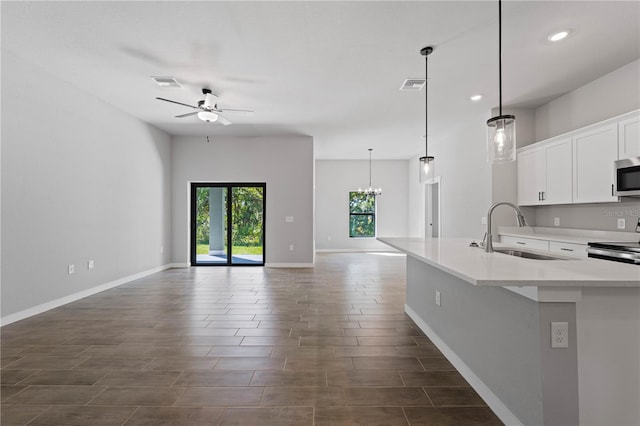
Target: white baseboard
[492,400]
[179,265]
[35,310]
[380,250]
[289,265]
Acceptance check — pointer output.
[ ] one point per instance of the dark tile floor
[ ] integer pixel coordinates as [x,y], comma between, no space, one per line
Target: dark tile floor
[328,345]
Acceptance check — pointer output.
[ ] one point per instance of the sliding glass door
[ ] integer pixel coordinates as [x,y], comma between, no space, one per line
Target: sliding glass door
[227,224]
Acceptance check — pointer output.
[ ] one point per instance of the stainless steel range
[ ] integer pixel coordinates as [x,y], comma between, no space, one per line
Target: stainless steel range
[626,252]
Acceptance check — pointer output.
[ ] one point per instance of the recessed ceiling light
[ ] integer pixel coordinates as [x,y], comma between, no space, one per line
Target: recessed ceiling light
[559,35]
[476,98]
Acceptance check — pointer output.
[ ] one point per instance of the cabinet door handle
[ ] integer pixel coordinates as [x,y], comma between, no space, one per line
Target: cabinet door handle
[539,199]
[542,195]
[612,190]
[565,249]
[520,242]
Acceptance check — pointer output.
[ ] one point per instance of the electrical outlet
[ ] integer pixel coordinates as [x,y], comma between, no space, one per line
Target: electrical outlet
[90,265]
[72,269]
[290,247]
[329,237]
[559,334]
[438,299]
[621,223]
[288,218]
[161,249]
[483,220]
[556,221]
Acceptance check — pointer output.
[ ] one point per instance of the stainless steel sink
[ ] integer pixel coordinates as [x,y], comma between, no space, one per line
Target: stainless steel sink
[527,254]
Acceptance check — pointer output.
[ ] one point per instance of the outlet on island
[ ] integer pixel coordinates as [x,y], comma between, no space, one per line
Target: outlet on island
[290,247]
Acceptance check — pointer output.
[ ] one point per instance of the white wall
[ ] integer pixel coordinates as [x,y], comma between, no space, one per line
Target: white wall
[80,180]
[334,180]
[465,186]
[613,94]
[610,95]
[285,163]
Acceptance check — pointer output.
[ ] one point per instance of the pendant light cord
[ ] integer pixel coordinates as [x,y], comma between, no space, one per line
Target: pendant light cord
[500,52]
[426,108]
[370,167]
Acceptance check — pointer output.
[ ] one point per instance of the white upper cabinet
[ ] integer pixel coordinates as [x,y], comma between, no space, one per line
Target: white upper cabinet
[594,151]
[531,177]
[544,174]
[629,138]
[577,167]
[559,170]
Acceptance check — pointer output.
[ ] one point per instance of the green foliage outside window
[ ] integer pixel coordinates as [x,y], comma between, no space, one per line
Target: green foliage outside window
[362,215]
[246,209]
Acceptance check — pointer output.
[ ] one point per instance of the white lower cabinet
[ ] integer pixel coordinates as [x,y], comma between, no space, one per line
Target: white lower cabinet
[569,249]
[531,243]
[565,249]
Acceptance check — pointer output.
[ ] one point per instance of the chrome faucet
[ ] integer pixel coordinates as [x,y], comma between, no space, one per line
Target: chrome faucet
[488,245]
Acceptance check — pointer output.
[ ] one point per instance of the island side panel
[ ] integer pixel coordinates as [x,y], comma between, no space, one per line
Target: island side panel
[495,332]
[559,366]
[609,356]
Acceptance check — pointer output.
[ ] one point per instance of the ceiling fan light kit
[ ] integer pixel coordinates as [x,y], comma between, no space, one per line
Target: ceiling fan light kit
[207,116]
[208,110]
[501,141]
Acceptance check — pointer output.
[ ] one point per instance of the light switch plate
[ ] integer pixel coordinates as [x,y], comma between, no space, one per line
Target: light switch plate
[556,221]
[621,223]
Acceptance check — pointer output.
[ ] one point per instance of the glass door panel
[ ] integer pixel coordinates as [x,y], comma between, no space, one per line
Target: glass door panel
[247,213]
[211,226]
[227,224]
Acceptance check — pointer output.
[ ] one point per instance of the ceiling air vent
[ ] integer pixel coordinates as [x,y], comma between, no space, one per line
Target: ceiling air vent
[165,81]
[413,84]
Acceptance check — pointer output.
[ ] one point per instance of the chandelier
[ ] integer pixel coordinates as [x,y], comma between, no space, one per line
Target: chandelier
[371,190]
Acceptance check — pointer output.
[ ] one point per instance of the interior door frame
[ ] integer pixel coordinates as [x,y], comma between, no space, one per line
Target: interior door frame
[428,198]
[193,223]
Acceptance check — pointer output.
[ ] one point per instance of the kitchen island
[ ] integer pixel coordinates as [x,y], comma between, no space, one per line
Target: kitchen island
[491,315]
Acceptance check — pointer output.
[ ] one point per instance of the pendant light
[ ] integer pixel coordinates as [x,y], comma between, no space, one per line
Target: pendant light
[426,161]
[371,190]
[501,142]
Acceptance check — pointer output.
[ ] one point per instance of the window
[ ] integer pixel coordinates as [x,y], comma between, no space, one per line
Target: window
[362,215]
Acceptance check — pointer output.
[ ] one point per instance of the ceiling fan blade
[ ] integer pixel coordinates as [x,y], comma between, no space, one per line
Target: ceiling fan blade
[187,114]
[222,120]
[175,102]
[234,110]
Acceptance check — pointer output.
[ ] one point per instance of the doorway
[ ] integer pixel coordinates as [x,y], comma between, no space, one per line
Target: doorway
[433,225]
[227,224]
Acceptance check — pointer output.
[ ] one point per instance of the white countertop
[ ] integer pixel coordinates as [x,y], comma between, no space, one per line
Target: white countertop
[473,265]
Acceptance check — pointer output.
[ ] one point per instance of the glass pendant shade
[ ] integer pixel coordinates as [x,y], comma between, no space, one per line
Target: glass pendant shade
[426,169]
[501,141]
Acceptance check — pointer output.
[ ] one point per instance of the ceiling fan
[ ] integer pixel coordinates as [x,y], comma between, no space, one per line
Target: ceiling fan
[207,109]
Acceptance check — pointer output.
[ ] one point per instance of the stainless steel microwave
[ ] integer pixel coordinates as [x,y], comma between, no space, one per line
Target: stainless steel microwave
[628,177]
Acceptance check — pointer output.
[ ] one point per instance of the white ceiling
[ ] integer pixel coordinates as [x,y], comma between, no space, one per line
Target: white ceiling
[331,70]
